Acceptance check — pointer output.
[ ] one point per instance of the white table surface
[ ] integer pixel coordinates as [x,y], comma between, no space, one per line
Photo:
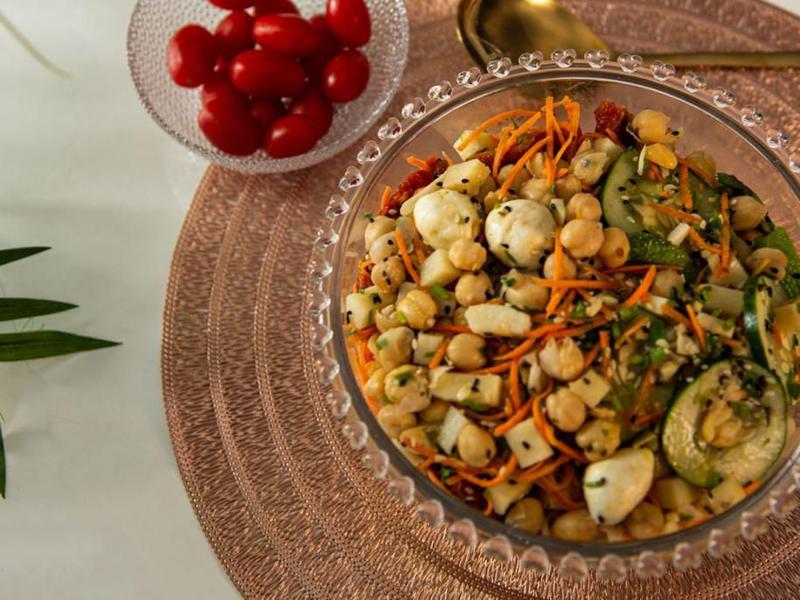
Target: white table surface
[96,507]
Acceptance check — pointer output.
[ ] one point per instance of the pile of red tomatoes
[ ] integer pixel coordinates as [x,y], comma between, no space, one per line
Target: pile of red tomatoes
[270,77]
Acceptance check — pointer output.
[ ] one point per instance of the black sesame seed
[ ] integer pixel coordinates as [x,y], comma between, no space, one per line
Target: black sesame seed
[587,381]
[526,445]
[622,188]
[504,245]
[439,183]
[447,310]
[390,242]
[465,180]
[601,519]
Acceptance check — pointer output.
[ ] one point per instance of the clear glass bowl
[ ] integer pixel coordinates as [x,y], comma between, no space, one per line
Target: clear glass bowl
[175,109]
[735,136]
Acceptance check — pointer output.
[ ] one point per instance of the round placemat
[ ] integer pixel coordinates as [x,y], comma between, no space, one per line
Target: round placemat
[282,498]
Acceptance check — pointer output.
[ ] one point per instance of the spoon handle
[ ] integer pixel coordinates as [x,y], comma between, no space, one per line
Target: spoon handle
[757,60]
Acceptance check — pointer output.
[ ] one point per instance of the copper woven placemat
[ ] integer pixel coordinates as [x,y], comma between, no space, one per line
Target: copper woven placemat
[284,502]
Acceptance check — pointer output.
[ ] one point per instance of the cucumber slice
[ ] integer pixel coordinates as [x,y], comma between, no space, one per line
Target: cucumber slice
[705,199]
[759,315]
[703,465]
[780,240]
[648,247]
[620,182]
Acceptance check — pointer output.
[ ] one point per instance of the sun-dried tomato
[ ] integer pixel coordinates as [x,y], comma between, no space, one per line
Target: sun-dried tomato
[415,181]
[610,116]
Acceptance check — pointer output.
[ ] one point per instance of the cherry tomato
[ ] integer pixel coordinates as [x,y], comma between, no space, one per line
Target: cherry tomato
[349,20]
[291,135]
[345,76]
[234,33]
[220,90]
[266,74]
[266,7]
[286,33]
[191,55]
[236,132]
[313,104]
[266,112]
[233,4]
[328,48]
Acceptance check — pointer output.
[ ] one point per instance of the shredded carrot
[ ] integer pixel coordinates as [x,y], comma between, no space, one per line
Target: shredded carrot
[507,144]
[542,470]
[591,356]
[549,435]
[695,521]
[418,251]
[503,474]
[525,346]
[776,335]
[562,172]
[505,133]
[725,236]
[598,321]
[436,481]
[567,480]
[676,214]
[577,283]
[438,356]
[562,500]
[401,245]
[373,405]
[505,116]
[701,243]
[642,422]
[520,415]
[558,266]
[519,165]
[489,507]
[361,334]
[513,383]
[442,328]
[752,486]
[632,329]
[683,179]
[387,194]
[595,272]
[447,158]
[613,136]
[698,330]
[496,369]
[573,130]
[639,268]
[641,292]
[548,122]
[673,314]
[732,343]
[364,354]
[700,174]
[417,162]
[644,390]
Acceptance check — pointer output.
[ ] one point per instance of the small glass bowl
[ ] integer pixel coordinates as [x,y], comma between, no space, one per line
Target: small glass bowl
[736,136]
[175,109]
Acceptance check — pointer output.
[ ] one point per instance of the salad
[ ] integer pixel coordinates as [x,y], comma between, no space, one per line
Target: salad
[588,335]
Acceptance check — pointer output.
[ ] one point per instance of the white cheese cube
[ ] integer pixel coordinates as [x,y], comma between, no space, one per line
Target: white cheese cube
[407,207]
[504,495]
[463,387]
[677,236]
[714,325]
[438,268]
[466,177]
[591,387]
[360,306]
[615,486]
[498,319]
[527,444]
[483,142]
[454,422]
[425,347]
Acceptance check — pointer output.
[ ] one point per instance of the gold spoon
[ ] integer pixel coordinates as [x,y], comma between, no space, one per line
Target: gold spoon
[493,28]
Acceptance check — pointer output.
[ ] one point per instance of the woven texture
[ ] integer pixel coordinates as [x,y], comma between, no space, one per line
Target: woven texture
[284,502]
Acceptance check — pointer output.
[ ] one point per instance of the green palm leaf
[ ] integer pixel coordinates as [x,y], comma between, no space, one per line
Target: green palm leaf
[25,308]
[12,254]
[30,345]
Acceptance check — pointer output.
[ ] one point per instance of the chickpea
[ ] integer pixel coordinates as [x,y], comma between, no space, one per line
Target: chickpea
[377,227]
[615,249]
[520,290]
[386,319]
[467,255]
[584,206]
[720,427]
[651,126]
[576,526]
[393,421]
[372,345]
[666,281]
[521,178]
[434,414]
[473,288]
[767,260]
[566,410]
[588,167]
[491,200]
[416,436]
[568,186]
[476,446]
[582,238]
[394,347]
[535,165]
[460,316]
[466,351]
[383,247]
[419,309]
[645,521]
[407,388]
[747,213]
[569,270]
[374,385]
[599,438]
[561,359]
[527,515]
[388,274]
[537,190]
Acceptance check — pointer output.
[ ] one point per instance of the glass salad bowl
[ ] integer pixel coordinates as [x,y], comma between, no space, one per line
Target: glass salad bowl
[736,136]
[175,109]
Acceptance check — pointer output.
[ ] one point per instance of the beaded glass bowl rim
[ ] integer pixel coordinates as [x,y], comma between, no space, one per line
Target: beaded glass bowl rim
[255,164]
[647,558]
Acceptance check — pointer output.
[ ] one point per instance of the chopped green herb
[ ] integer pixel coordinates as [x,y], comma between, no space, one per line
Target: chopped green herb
[376,298]
[638,359]
[714,479]
[625,312]
[404,377]
[728,324]
[616,403]
[685,517]
[508,281]
[439,291]
[370,217]
[473,405]
[580,310]
[658,330]
[401,318]
[362,290]
[658,355]
[615,331]
[446,473]
[741,410]
[511,257]
[429,354]
[595,484]
[553,188]
[705,295]
[381,343]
